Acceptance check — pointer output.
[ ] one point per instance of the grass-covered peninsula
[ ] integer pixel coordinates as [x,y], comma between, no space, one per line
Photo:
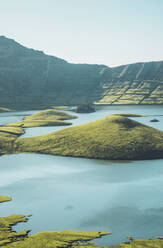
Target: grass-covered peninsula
[49,117]
[53,239]
[114,137]
[65,239]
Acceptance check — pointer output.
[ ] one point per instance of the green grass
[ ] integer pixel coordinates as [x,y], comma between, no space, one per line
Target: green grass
[4,199]
[49,117]
[7,235]
[8,135]
[62,239]
[11,130]
[50,114]
[113,137]
[7,138]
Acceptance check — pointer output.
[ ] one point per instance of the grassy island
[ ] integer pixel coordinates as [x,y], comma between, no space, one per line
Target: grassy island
[10,132]
[114,137]
[49,117]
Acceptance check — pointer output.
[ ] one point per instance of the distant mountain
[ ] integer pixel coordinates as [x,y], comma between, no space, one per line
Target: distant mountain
[30,79]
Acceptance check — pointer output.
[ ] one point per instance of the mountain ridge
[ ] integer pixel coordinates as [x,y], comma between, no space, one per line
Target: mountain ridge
[31,79]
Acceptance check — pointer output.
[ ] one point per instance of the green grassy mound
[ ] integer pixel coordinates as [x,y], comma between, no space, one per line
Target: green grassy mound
[113,137]
[4,199]
[49,117]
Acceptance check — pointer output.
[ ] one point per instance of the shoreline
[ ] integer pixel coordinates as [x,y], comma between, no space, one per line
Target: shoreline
[69,106]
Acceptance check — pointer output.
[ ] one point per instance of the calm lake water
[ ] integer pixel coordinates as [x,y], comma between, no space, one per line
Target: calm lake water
[122,197]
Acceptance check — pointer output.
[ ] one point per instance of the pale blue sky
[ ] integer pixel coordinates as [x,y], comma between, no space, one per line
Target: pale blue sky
[111,32]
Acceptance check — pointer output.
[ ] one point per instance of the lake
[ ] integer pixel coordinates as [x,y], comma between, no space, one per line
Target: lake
[122,197]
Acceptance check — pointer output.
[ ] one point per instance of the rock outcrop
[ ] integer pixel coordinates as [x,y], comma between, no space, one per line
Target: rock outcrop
[85,108]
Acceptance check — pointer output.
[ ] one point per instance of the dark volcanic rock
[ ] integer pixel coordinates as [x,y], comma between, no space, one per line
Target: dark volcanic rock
[30,79]
[85,108]
[154,120]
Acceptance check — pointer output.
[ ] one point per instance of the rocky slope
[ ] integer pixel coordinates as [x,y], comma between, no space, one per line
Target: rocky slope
[30,79]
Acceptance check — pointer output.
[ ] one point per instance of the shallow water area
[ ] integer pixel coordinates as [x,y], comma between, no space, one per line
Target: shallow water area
[122,197]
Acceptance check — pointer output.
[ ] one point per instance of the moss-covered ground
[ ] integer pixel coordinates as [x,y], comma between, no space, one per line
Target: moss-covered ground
[113,137]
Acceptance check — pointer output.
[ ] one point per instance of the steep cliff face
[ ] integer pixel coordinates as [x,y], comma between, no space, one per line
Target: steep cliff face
[30,79]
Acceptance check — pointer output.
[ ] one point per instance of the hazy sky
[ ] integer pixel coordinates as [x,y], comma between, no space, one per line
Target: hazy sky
[110,32]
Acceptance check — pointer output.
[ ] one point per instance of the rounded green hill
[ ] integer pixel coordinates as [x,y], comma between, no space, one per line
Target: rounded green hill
[48,117]
[114,137]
